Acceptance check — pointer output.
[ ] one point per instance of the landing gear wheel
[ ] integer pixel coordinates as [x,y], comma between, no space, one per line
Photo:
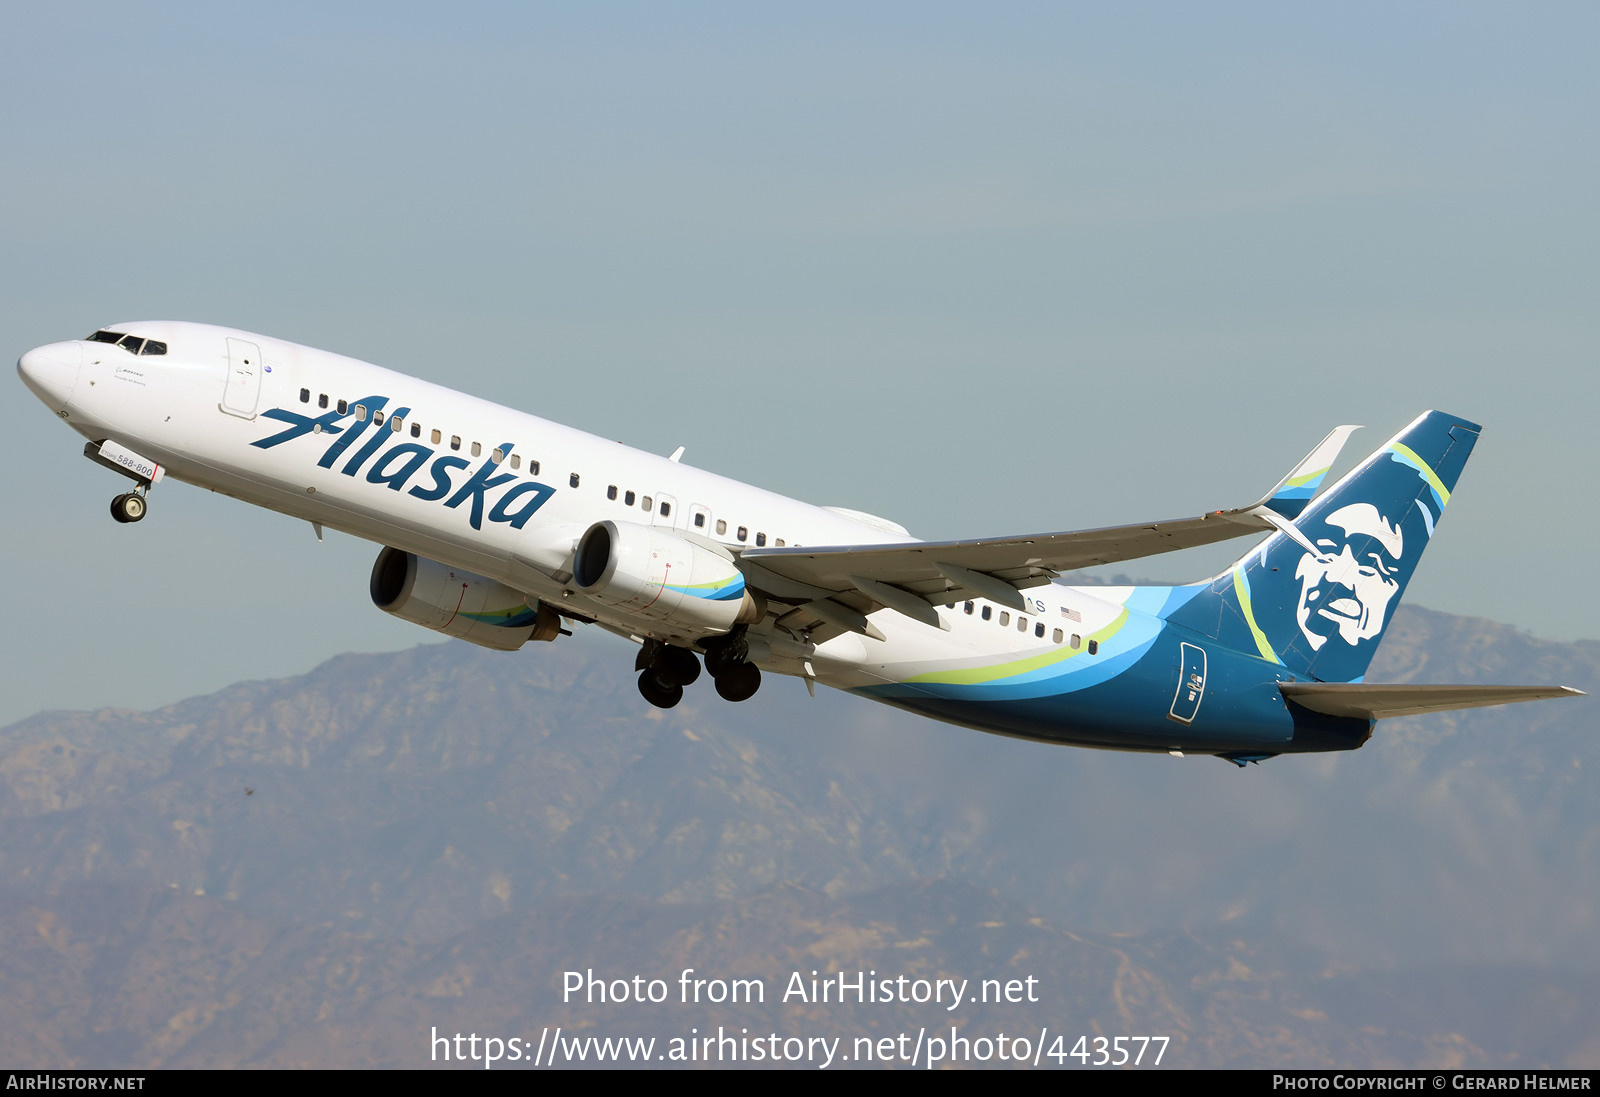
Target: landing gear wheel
[717,660]
[724,651]
[677,664]
[128,507]
[651,689]
[739,681]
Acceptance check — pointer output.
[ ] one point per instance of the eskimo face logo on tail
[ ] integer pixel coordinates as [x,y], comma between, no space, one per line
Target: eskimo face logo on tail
[405,459]
[1347,593]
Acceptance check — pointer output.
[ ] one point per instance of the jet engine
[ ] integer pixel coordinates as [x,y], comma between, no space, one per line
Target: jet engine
[458,603]
[657,574]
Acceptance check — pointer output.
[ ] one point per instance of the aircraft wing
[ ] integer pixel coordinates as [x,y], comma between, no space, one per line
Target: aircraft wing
[840,584]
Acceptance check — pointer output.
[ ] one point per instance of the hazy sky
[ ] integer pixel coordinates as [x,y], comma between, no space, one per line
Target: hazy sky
[983,269]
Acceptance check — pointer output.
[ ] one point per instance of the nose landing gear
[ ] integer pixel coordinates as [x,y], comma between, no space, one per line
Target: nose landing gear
[129,506]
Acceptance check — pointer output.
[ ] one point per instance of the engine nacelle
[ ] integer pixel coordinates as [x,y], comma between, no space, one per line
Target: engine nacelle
[657,574]
[458,603]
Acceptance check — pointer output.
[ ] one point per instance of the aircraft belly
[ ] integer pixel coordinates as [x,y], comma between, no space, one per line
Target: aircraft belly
[1129,700]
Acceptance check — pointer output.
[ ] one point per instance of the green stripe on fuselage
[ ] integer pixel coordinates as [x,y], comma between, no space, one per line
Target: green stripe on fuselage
[972,676]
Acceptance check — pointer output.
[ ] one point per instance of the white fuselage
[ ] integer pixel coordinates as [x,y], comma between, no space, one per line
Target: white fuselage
[203,409]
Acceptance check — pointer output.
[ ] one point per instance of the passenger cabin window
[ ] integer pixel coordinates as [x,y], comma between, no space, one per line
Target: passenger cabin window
[700,521]
[435,437]
[1038,630]
[628,497]
[722,527]
[516,460]
[455,441]
[396,423]
[416,429]
[611,492]
[744,534]
[322,400]
[1077,641]
[533,467]
[497,455]
[666,509]
[343,407]
[647,503]
[1005,618]
[969,607]
[761,540]
[1094,647]
[778,542]
[361,413]
[305,396]
[573,479]
[1022,624]
[1056,636]
[988,612]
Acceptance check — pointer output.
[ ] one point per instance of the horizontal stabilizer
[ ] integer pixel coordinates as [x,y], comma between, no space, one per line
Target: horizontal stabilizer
[1374,702]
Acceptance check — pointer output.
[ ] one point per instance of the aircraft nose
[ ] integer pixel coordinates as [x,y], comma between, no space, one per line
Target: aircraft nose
[51,371]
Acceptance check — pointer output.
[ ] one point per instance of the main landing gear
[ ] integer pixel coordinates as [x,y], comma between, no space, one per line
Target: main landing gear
[663,672]
[736,679]
[664,669]
[738,682]
[130,506]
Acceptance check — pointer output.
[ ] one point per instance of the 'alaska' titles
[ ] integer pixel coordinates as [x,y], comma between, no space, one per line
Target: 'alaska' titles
[396,466]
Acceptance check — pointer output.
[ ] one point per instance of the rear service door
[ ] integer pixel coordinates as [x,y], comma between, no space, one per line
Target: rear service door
[1191,684]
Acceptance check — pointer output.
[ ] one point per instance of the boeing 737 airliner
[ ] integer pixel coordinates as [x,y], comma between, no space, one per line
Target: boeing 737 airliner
[498,527]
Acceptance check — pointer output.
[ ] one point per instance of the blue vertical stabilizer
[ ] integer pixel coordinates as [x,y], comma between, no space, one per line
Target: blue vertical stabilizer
[1317,595]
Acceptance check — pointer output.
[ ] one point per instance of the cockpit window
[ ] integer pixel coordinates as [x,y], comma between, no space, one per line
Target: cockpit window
[130,343]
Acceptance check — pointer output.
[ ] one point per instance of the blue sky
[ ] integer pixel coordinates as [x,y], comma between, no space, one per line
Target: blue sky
[980,269]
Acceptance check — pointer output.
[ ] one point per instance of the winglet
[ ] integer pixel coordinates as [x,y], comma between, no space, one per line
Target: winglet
[1298,488]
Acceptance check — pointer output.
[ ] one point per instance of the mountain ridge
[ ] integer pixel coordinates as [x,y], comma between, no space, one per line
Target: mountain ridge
[383,813]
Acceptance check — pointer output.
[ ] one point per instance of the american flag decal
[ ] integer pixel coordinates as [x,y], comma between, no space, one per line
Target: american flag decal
[1071,614]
